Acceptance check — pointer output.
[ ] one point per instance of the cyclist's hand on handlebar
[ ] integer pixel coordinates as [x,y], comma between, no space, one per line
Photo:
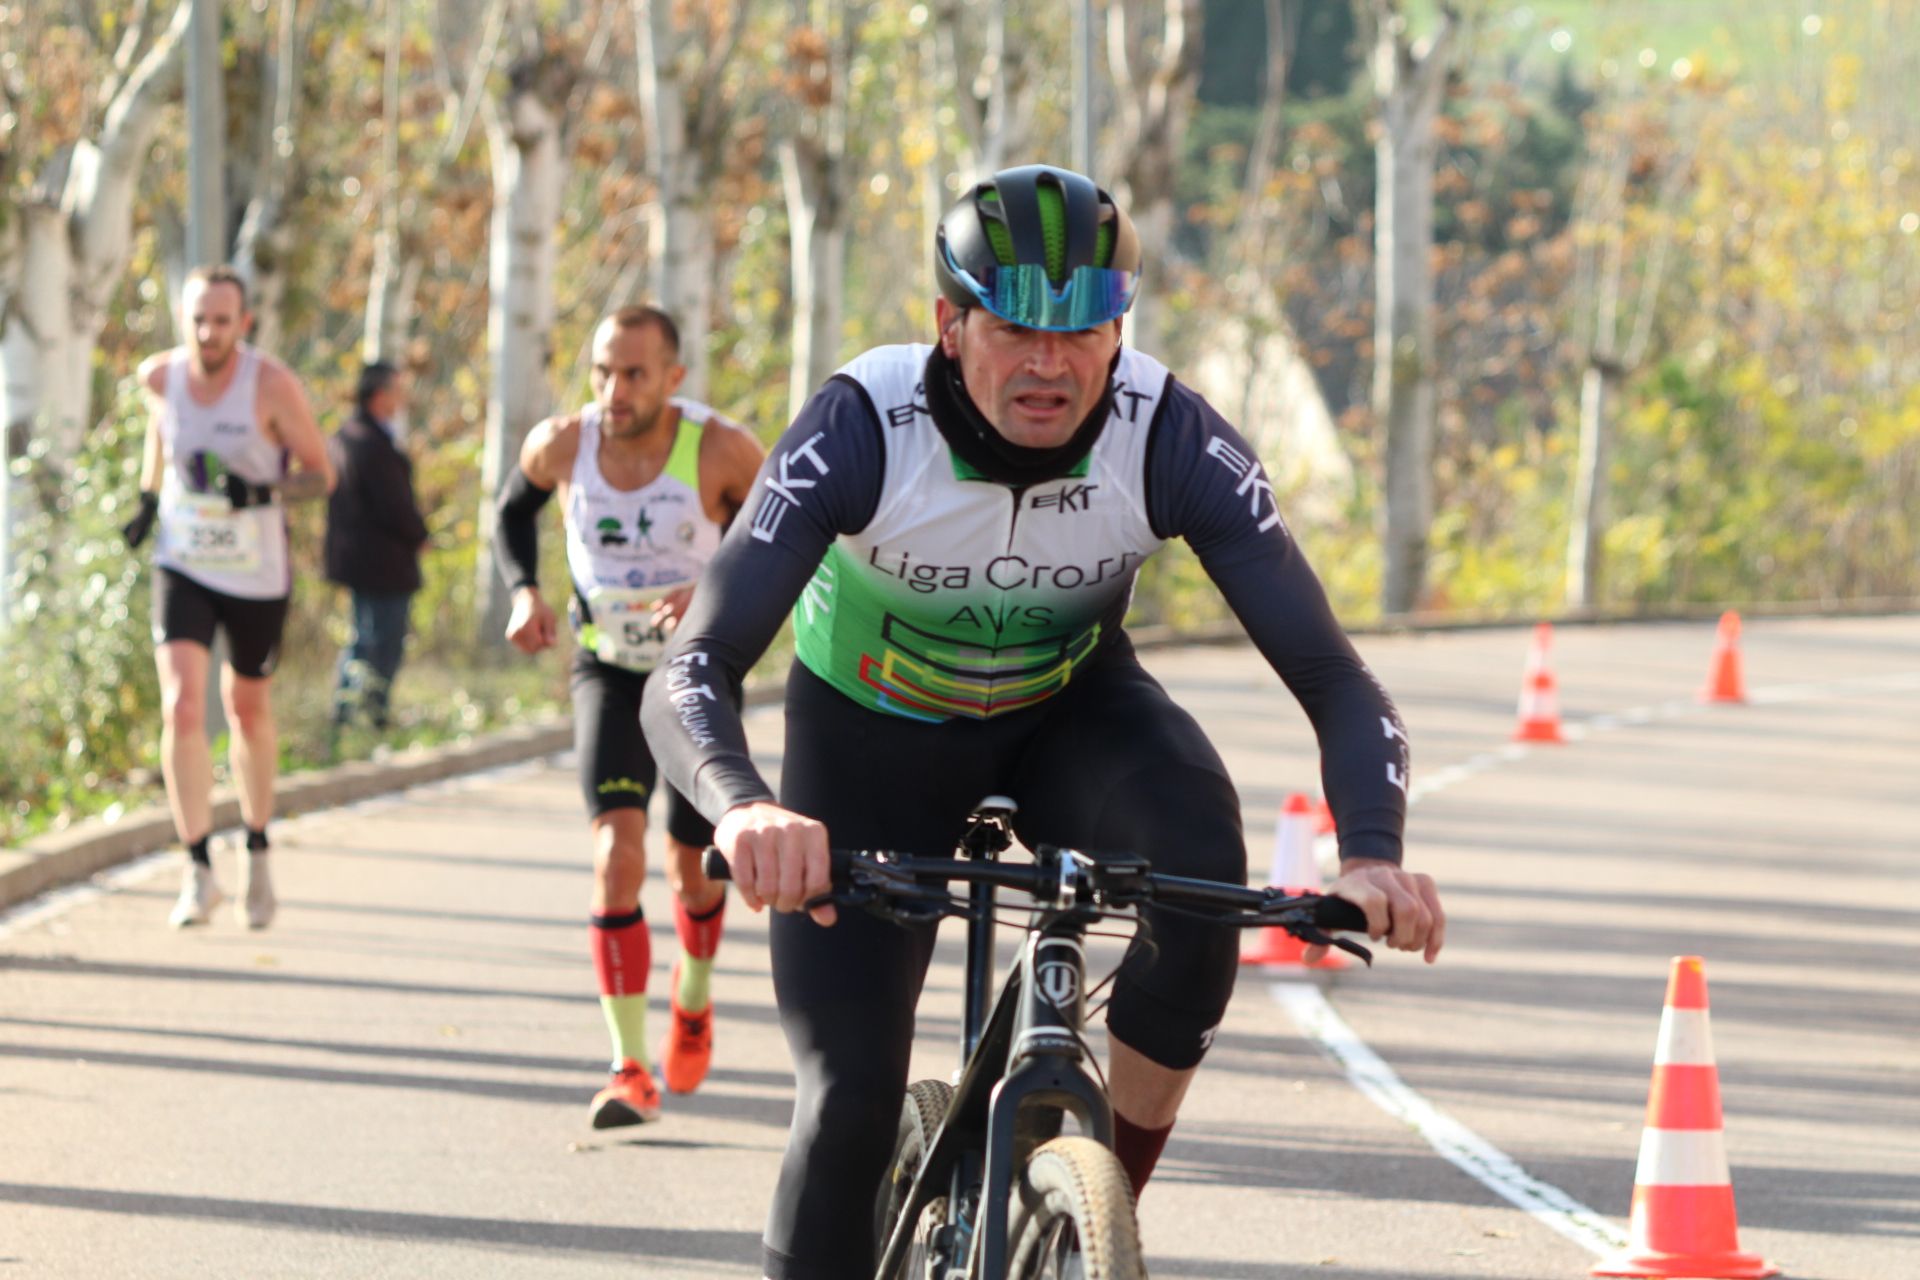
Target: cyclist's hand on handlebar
[1403,907]
[778,858]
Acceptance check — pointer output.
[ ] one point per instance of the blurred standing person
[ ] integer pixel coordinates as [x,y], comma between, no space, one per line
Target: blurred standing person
[223,419]
[647,482]
[374,537]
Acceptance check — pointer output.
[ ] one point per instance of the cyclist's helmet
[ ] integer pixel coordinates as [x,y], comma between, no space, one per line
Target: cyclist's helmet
[1041,247]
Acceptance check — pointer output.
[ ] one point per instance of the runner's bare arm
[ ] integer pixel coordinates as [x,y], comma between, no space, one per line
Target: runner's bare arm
[153,459]
[735,457]
[292,424]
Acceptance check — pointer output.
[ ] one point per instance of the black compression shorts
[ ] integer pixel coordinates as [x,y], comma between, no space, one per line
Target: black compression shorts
[1110,763]
[183,609]
[616,768]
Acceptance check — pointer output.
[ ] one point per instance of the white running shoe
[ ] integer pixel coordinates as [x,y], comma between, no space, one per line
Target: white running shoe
[257,903]
[199,895]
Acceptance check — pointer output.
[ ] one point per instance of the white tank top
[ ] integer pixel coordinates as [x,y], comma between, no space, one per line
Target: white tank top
[626,548]
[238,553]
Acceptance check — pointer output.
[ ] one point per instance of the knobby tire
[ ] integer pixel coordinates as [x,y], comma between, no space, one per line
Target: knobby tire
[920,1116]
[1075,1203]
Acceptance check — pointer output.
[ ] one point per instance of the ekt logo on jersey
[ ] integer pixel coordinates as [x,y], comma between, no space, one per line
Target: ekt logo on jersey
[1253,484]
[1073,497]
[783,481]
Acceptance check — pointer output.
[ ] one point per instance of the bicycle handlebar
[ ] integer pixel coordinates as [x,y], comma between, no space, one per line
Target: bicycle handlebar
[907,886]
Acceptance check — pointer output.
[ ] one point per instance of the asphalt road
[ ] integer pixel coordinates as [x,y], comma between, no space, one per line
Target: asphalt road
[393,1079]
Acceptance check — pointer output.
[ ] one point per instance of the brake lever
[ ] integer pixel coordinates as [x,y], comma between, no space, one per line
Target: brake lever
[1315,936]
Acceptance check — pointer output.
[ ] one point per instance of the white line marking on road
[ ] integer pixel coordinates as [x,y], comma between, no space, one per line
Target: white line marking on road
[1456,1143]
[1374,1078]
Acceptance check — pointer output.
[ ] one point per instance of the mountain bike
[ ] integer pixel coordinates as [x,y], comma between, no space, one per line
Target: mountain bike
[984,1183]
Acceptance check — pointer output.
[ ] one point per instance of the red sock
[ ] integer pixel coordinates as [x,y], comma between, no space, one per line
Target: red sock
[1139,1150]
[622,950]
[699,934]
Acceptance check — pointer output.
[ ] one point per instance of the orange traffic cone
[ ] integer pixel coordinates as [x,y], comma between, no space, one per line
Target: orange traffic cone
[1297,870]
[1724,681]
[1683,1223]
[1539,696]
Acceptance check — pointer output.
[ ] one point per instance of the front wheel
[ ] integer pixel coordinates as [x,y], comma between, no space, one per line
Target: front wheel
[920,1117]
[1074,1219]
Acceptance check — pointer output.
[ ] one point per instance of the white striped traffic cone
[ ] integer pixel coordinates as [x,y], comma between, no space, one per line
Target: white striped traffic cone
[1683,1221]
[1539,694]
[1295,869]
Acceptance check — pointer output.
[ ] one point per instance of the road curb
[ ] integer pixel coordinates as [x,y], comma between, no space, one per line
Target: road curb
[90,847]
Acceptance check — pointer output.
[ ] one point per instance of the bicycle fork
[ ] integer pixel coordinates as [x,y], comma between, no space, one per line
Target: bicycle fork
[1045,1076]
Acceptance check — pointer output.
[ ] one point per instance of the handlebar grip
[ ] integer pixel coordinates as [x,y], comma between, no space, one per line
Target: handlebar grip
[1338,913]
[713,864]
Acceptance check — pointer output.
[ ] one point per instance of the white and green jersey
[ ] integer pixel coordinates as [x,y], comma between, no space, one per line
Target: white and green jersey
[626,548]
[921,588]
[963,596]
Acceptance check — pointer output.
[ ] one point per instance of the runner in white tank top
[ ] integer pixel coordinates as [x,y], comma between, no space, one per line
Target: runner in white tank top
[223,420]
[216,453]
[627,549]
[646,483]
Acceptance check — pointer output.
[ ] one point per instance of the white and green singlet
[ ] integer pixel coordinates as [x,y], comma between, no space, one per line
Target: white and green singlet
[963,596]
[626,548]
[935,573]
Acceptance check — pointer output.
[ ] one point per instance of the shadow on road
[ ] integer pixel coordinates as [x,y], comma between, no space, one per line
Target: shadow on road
[635,1242]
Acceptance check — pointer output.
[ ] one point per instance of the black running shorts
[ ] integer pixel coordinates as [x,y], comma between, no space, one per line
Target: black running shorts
[616,768]
[183,609]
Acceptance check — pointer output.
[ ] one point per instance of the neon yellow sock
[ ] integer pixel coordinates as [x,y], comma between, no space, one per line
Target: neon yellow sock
[627,1024]
[696,979]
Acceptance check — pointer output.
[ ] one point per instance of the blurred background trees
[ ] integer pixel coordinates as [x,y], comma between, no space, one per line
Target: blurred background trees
[1669,355]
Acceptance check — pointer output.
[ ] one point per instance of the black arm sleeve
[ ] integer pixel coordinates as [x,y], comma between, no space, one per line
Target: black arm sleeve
[516,531]
[821,480]
[1204,483]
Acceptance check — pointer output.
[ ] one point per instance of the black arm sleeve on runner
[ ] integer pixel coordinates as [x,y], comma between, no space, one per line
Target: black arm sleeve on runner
[822,479]
[1205,484]
[516,531]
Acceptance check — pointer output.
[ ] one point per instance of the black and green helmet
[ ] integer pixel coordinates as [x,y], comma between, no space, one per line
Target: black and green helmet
[1041,247]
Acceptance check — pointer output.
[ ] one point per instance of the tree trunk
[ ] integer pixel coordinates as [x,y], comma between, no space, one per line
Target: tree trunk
[813,166]
[261,245]
[72,251]
[529,174]
[1408,84]
[685,124]
[1154,95]
[1586,539]
[58,269]
[206,137]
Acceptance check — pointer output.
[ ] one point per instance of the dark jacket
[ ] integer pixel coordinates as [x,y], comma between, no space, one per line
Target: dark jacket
[374,529]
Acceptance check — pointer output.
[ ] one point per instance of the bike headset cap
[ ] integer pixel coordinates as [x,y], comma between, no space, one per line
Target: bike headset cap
[1041,247]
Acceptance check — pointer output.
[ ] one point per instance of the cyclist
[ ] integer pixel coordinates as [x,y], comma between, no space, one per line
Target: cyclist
[957,529]
[222,420]
[647,481]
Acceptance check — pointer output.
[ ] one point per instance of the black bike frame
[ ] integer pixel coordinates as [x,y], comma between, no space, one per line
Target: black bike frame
[1025,1064]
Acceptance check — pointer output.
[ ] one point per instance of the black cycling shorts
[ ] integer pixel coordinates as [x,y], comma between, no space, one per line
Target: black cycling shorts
[616,768]
[1109,764]
[183,609]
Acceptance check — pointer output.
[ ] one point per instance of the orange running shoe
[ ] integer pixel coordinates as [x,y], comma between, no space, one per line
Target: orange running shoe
[688,1048]
[631,1097]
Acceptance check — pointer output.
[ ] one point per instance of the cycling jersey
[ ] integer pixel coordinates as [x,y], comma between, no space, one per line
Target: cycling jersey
[239,552]
[626,548]
[922,589]
[960,596]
